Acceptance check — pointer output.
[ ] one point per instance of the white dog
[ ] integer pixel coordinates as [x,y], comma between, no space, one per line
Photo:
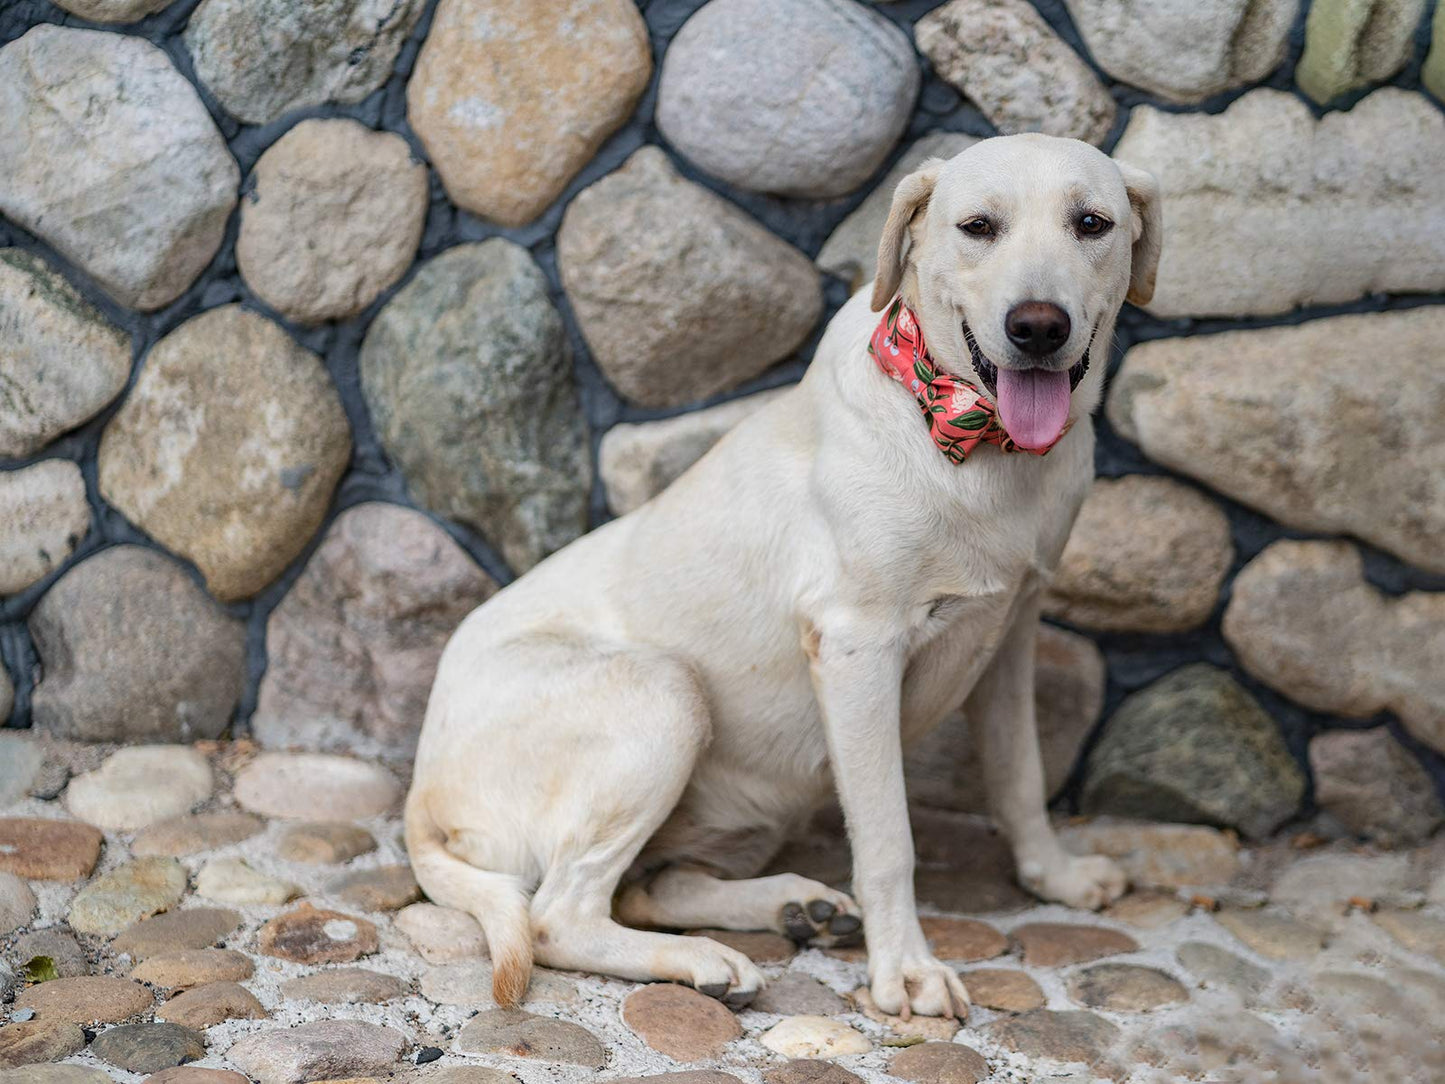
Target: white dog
[625,735]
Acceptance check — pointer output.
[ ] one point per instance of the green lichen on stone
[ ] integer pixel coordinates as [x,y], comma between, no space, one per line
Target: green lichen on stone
[1352,43]
[1433,73]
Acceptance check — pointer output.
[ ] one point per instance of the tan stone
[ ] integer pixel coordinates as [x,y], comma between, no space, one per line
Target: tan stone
[1063,1036]
[212,1004]
[45,514]
[127,894]
[759,946]
[386,888]
[48,850]
[33,1042]
[963,939]
[344,986]
[939,1063]
[232,880]
[1056,944]
[1416,931]
[300,786]
[192,928]
[185,968]
[1003,989]
[511,98]
[324,843]
[112,11]
[138,786]
[441,934]
[1273,935]
[1125,988]
[1158,855]
[94,999]
[1373,786]
[1147,910]
[194,833]
[680,1022]
[814,1037]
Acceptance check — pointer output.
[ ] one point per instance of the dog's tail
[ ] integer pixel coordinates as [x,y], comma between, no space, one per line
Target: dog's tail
[498,901]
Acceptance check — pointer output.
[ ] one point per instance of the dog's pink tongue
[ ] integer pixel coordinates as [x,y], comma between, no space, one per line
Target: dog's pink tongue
[1033,405]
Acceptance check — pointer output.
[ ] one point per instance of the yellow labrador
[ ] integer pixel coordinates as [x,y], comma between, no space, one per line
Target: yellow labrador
[624,736]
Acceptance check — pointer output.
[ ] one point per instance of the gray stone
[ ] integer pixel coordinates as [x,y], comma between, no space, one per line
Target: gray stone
[1270,208]
[442,934]
[113,11]
[511,99]
[333,217]
[63,360]
[1273,935]
[1373,786]
[344,986]
[324,1050]
[647,256]
[386,888]
[522,1035]
[1186,50]
[795,994]
[796,1071]
[45,514]
[469,379]
[238,491]
[57,944]
[187,968]
[109,156]
[17,903]
[324,842]
[1214,966]
[1352,43]
[939,1063]
[94,999]
[33,1041]
[232,880]
[211,1004]
[1432,72]
[127,894]
[1147,554]
[1194,747]
[193,834]
[193,928]
[55,1074]
[730,86]
[851,251]
[305,785]
[132,650]
[469,982]
[1303,620]
[1125,988]
[1023,76]
[1064,1036]
[638,460]
[21,759]
[352,649]
[264,58]
[148,1048]
[1325,885]
[137,787]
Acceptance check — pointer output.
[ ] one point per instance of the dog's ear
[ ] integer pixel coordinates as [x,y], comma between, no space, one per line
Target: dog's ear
[909,198]
[1148,211]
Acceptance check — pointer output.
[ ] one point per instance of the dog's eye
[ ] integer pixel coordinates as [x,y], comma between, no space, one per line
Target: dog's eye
[1092,225]
[977,227]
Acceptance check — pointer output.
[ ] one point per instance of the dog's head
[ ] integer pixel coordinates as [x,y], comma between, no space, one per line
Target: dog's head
[1016,255]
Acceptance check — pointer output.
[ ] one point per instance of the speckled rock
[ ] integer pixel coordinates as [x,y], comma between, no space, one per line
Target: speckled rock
[58,944]
[729,85]
[1158,855]
[33,1042]
[299,786]
[469,380]
[238,491]
[63,360]
[148,1048]
[1056,944]
[45,514]
[17,903]
[1007,59]
[324,843]
[110,157]
[1125,988]
[56,1074]
[441,934]
[264,58]
[1303,620]
[1003,990]
[646,255]
[344,986]
[132,650]
[511,99]
[519,1034]
[352,649]
[324,1050]
[385,888]
[1224,762]
[139,786]
[113,11]
[1063,1036]
[97,999]
[939,1063]
[814,1037]
[1373,787]
[127,894]
[1186,50]
[48,850]
[311,936]
[176,837]
[232,880]
[680,1022]
[333,216]
[1352,43]
[185,968]
[1270,208]
[212,1004]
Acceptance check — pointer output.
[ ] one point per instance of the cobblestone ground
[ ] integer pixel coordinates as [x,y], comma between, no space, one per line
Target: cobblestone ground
[237,912]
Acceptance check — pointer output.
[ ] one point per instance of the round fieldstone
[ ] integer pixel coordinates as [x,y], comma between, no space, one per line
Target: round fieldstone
[17,903]
[113,11]
[1217,967]
[1058,944]
[32,1042]
[324,843]
[310,936]
[185,968]
[1273,935]
[133,650]
[127,894]
[814,1037]
[800,1071]
[306,785]
[324,1050]
[386,888]
[176,837]
[139,786]
[1147,910]
[1373,787]
[963,939]
[476,1074]
[730,85]
[56,944]
[796,994]
[1125,988]
[680,1022]
[1063,1036]
[95,999]
[646,255]
[939,1063]
[511,98]
[345,986]
[469,379]
[238,491]
[469,982]
[57,1074]
[325,192]
[214,1003]
[1003,990]
[264,58]
[1325,886]
[352,649]
[84,112]
[148,1048]
[193,928]
[441,934]
[63,360]
[48,850]
[45,514]
[519,1034]
[232,880]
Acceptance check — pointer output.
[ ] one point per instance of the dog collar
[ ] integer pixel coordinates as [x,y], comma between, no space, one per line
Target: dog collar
[960,417]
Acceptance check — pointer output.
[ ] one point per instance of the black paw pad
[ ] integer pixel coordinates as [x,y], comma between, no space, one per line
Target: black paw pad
[796,924]
[820,911]
[844,925]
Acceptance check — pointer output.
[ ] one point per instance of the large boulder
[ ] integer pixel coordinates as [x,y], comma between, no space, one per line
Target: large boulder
[131,650]
[108,154]
[43,517]
[678,293]
[1373,787]
[353,647]
[1286,420]
[511,98]
[795,97]
[1352,43]
[1269,208]
[228,448]
[469,379]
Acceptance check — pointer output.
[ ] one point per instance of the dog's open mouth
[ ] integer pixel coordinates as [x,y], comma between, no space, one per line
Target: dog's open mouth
[1033,404]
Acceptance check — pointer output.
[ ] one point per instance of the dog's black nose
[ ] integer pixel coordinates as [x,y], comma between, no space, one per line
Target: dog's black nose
[1037,327]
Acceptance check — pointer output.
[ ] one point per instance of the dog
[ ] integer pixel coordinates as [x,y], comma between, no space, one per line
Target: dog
[618,742]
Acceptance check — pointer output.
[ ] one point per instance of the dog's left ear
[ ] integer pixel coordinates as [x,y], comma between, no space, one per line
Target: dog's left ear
[909,198]
[1148,211]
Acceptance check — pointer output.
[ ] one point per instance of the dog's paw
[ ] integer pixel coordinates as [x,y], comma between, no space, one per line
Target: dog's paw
[1088,882]
[921,986]
[820,916]
[724,973]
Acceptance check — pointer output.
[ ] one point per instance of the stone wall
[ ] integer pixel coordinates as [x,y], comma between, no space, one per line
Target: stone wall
[319,322]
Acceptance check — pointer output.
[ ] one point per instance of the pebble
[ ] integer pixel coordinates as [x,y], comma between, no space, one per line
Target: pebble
[46,515]
[1370,783]
[55,1074]
[310,936]
[148,1048]
[34,1041]
[345,986]
[796,994]
[759,946]
[939,1063]
[1003,990]
[139,786]
[814,1037]
[185,968]
[963,939]
[1214,966]
[1416,931]
[441,934]
[1125,988]
[1064,1036]
[20,758]
[94,999]
[194,833]
[192,1074]
[1273,935]
[1147,910]
[797,1071]
[910,1027]
[231,880]
[324,1050]
[324,843]
[48,850]
[521,1035]
[127,894]
[680,1022]
[211,1004]
[1057,944]
[193,928]
[57,944]
[17,903]
[469,982]
[310,786]
[386,888]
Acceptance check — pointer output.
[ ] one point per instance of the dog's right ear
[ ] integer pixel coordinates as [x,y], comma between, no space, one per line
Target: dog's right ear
[909,198]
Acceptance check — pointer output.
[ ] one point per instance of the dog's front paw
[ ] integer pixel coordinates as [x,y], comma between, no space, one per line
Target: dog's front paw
[1087,882]
[922,986]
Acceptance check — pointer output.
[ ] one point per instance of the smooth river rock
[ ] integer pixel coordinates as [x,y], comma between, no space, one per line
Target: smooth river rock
[1374,787]
[324,1050]
[127,894]
[1352,43]
[113,11]
[309,785]
[136,787]
[43,517]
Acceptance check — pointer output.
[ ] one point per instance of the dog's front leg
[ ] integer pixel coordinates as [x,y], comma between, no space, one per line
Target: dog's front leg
[857,674]
[1001,708]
